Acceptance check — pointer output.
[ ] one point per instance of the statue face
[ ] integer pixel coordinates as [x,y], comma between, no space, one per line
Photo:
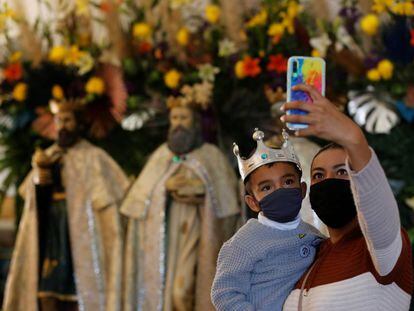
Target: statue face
[67,128]
[181,116]
[184,134]
[65,120]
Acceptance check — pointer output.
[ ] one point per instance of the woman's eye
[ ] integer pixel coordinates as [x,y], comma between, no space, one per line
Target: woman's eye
[342,172]
[317,176]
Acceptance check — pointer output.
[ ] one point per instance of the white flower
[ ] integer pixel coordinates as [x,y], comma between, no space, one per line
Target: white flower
[207,72]
[227,48]
[85,63]
[202,94]
[137,120]
[344,39]
[321,43]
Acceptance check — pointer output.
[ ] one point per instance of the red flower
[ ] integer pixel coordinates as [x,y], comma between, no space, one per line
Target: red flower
[13,72]
[277,63]
[144,47]
[412,37]
[251,66]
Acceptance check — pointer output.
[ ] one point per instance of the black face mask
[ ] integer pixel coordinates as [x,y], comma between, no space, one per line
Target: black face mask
[332,201]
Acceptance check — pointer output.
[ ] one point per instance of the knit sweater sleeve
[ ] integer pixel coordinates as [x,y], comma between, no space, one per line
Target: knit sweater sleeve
[377,214]
[231,284]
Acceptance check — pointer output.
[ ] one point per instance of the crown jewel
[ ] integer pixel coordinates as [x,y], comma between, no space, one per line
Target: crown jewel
[265,155]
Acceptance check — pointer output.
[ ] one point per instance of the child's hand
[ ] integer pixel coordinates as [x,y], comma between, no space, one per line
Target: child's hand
[326,121]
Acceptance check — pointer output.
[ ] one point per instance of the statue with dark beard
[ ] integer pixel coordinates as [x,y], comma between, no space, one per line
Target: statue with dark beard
[70,237]
[182,207]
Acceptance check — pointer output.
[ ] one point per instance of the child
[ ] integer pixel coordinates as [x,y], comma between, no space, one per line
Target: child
[259,266]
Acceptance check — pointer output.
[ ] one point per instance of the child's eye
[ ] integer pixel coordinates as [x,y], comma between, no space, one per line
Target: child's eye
[317,176]
[265,188]
[342,172]
[289,181]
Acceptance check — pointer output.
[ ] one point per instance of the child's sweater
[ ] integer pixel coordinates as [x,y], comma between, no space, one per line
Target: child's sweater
[259,266]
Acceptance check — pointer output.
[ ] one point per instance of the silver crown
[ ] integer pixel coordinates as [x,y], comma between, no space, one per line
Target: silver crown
[265,155]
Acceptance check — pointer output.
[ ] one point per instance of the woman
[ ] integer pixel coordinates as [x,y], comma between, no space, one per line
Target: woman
[366,263]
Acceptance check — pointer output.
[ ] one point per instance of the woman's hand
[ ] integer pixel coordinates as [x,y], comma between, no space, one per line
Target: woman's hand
[327,122]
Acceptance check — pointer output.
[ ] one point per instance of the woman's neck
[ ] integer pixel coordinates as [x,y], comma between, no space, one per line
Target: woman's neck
[336,234]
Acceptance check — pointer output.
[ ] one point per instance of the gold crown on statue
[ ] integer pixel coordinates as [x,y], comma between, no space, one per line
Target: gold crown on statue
[195,96]
[265,155]
[65,105]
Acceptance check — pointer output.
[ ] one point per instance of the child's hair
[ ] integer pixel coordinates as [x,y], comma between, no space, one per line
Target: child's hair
[328,146]
[247,183]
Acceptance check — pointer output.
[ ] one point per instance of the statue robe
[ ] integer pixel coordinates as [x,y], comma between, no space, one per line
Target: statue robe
[146,250]
[94,186]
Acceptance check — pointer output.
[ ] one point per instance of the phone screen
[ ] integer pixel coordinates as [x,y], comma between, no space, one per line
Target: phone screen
[304,70]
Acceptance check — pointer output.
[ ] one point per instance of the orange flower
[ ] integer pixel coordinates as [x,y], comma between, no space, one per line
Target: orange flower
[13,72]
[277,63]
[106,6]
[158,54]
[251,66]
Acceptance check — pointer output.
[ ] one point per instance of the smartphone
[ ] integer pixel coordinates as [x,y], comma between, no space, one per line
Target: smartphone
[304,70]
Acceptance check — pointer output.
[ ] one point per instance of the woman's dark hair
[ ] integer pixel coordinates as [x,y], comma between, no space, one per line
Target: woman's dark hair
[329,146]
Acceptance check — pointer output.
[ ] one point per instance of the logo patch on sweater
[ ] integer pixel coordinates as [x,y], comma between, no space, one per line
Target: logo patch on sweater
[301,235]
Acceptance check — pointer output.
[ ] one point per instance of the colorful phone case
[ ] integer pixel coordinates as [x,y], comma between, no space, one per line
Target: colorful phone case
[309,70]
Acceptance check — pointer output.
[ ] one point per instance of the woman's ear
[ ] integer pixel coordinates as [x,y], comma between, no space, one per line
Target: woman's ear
[304,187]
[252,203]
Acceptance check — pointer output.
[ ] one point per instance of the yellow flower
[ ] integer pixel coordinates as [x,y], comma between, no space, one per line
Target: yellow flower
[373,75]
[172,79]
[176,4]
[82,8]
[293,9]
[288,22]
[183,36]
[403,8]
[73,55]
[258,20]
[385,69]
[95,85]
[213,13]
[57,54]
[379,6]
[276,29]
[20,92]
[369,24]
[57,92]
[15,57]
[141,31]
[239,69]
[315,53]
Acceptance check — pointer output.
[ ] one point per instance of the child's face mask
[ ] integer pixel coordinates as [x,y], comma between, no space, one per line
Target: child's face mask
[282,205]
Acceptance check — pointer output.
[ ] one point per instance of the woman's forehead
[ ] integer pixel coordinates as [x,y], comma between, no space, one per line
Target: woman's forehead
[329,158]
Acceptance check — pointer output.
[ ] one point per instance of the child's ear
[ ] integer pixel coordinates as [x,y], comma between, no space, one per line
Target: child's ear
[252,203]
[304,187]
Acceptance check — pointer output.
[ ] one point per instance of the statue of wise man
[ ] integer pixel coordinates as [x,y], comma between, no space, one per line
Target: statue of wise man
[181,209]
[69,243]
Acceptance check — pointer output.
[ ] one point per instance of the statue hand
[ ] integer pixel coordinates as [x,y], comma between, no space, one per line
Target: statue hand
[176,182]
[42,176]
